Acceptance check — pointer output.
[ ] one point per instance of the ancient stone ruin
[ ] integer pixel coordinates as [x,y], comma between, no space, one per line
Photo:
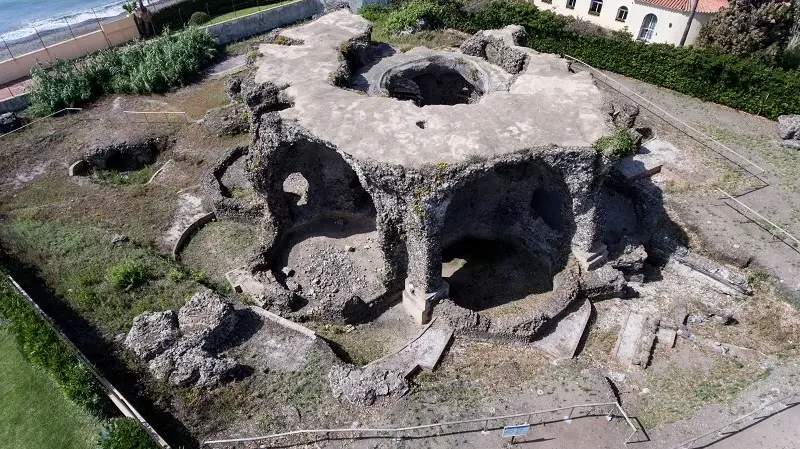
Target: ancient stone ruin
[405,165]
[493,143]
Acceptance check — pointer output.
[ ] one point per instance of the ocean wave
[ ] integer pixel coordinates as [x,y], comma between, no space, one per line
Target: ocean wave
[56,23]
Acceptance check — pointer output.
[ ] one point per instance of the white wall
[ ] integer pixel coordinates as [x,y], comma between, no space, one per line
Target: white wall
[669,30]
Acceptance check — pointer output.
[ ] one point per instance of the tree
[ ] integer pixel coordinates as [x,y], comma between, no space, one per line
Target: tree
[760,28]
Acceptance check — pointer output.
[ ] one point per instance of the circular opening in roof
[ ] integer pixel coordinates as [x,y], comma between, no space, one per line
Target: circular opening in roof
[435,81]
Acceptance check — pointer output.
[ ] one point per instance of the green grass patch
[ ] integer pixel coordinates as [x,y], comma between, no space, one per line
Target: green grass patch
[244,12]
[220,246]
[117,178]
[617,145]
[34,412]
[108,283]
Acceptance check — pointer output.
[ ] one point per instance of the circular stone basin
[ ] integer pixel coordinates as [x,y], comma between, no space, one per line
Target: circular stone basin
[435,80]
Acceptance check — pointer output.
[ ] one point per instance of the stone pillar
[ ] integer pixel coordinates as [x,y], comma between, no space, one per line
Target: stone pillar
[589,252]
[424,285]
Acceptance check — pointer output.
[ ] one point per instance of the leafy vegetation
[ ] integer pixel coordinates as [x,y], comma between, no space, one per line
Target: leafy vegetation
[34,411]
[757,28]
[124,433]
[127,275]
[618,145]
[177,14]
[742,83]
[199,18]
[43,348]
[142,67]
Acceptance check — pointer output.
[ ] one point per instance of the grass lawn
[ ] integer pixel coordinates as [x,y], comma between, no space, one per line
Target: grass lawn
[244,12]
[34,412]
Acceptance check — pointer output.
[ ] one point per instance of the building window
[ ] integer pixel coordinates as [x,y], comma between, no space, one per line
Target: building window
[648,28]
[571,4]
[622,14]
[595,7]
[547,1]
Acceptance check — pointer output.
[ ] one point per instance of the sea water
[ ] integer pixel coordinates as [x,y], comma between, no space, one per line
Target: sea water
[19,17]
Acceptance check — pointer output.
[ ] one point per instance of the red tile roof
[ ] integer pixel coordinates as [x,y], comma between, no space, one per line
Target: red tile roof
[703,6]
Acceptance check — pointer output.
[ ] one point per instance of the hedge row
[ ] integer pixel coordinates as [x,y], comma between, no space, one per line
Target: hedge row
[43,348]
[176,15]
[142,67]
[740,83]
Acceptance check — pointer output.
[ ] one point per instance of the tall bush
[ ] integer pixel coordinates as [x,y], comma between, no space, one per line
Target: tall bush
[142,67]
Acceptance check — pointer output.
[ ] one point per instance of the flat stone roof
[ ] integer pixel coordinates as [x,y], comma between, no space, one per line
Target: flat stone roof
[544,105]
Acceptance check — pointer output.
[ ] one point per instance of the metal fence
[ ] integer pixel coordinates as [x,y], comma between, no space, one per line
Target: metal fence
[482,424]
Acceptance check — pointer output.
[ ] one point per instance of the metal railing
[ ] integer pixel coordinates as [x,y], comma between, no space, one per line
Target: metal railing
[785,401]
[401,432]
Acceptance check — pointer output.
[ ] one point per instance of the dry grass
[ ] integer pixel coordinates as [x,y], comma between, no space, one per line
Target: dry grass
[676,392]
[358,345]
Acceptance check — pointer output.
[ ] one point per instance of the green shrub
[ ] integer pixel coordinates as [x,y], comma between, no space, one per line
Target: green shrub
[199,18]
[124,433]
[177,14]
[43,348]
[142,67]
[618,145]
[127,275]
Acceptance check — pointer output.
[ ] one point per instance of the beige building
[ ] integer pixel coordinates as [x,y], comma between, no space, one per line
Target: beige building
[661,21]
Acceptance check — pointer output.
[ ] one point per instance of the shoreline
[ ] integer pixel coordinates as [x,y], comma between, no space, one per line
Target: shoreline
[32,43]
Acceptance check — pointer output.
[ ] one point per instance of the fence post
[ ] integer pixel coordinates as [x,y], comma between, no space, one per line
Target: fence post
[101,28]
[43,45]
[9,49]
[233,5]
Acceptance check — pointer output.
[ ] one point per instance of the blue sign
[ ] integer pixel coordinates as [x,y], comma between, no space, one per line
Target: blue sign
[516,431]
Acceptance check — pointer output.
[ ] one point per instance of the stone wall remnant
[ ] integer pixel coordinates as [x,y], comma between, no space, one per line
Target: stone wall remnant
[182,348]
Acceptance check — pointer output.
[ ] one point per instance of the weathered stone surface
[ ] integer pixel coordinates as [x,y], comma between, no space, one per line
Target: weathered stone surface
[209,316]
[152,333]
[631,259]
[789,127]
[187,364]
[497,47]
[181,348]
[605,282]
[227,120]
[9,122]
[561,340]
[365,386]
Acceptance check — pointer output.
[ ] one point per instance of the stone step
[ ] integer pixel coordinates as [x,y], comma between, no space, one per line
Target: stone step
[561,340]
